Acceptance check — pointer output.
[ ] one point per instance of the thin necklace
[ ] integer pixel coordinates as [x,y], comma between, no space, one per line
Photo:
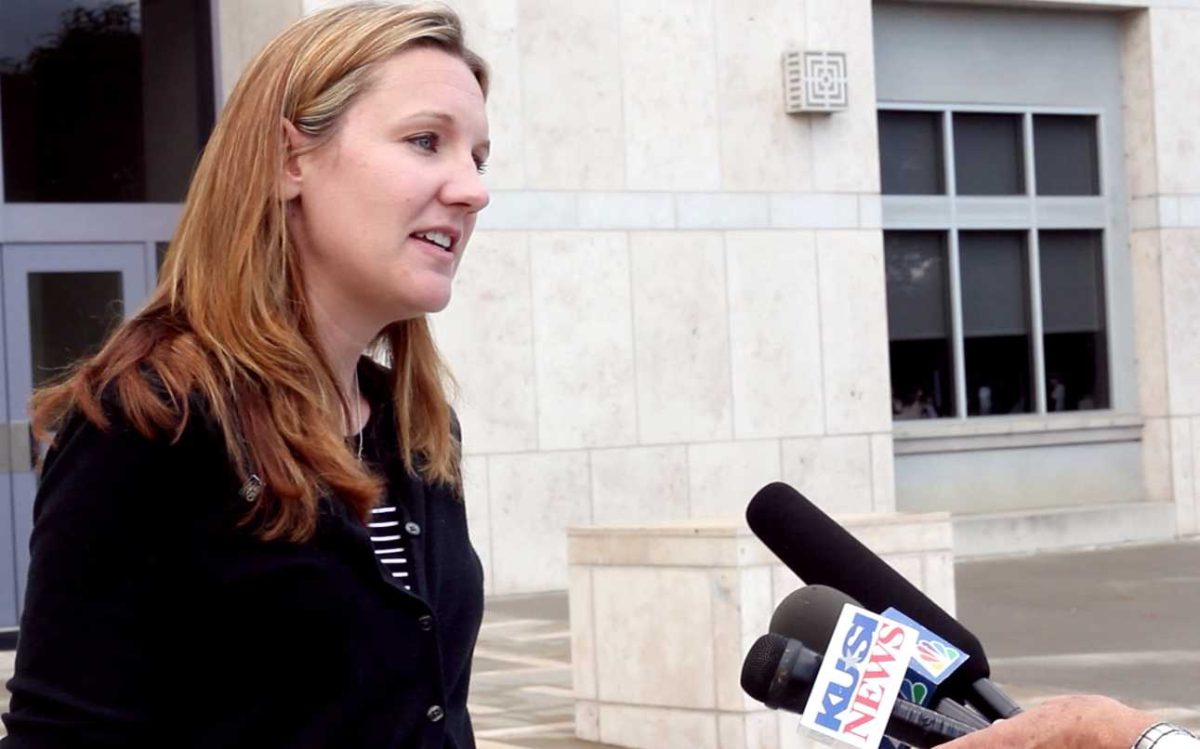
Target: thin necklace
[358,415]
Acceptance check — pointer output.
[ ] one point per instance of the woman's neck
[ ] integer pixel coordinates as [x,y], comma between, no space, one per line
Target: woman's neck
[343,342]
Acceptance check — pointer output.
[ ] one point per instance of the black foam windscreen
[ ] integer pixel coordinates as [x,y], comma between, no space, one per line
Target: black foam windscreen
[821,552]
[810,615]
[760,665]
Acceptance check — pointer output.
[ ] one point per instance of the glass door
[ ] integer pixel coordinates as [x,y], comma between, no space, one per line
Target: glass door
[60,301]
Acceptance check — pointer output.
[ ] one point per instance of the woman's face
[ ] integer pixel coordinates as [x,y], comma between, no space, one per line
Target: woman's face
[381,214]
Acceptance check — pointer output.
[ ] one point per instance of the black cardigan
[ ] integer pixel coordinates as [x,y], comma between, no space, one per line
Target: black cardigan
[150,621]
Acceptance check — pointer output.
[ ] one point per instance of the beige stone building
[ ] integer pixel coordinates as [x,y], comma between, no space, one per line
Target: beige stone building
[969,285]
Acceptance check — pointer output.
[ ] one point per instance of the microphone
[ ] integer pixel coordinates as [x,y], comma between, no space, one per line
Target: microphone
[780,672]
[810,615]
[819,550]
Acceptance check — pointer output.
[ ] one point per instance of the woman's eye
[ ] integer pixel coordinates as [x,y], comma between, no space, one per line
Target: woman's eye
[426,142]
[481,167]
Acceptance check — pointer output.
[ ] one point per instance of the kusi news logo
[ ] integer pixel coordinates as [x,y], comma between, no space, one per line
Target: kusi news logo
[860,678]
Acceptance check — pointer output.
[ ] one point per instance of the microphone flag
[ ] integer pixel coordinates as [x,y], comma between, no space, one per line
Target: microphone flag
[860,678]
[933,662]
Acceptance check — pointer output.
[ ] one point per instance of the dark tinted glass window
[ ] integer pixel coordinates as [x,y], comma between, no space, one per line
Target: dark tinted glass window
[1073,320]
[997,344]
[919,328]
[1065,155]
[103,101]
[70,315]
[910,151]
[988,154]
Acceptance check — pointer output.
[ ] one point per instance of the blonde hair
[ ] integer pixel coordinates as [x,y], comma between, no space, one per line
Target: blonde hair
[229,321]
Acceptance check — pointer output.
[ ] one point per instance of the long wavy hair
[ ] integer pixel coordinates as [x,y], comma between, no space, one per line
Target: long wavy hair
[229,322]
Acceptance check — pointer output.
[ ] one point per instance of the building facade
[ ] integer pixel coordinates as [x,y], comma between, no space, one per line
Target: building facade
[971,287]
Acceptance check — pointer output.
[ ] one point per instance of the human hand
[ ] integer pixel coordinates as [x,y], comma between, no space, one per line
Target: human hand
[1074,722]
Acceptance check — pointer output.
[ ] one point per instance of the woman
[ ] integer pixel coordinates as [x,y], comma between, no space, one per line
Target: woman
[247,534]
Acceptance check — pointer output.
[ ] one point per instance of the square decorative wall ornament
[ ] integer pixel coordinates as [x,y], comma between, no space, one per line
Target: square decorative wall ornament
[814,82]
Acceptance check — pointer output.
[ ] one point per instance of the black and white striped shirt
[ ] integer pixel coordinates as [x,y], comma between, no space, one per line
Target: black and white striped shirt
[388,538]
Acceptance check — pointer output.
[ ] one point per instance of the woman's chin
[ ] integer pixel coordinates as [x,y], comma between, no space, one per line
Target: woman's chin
[433,300]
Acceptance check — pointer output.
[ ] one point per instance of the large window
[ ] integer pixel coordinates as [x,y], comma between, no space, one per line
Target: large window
[994,240]
[104,101]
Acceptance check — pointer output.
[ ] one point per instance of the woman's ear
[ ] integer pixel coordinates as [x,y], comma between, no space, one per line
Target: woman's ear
[290,178]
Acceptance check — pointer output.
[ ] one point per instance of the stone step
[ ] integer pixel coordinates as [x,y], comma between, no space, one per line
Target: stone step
[1061,528]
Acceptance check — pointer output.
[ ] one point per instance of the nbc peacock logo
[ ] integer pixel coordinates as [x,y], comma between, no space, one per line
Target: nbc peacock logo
[936,657]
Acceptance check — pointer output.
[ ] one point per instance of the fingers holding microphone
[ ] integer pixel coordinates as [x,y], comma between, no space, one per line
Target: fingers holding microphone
[1072,722]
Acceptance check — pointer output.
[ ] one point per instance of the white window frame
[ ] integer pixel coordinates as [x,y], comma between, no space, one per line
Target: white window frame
[951,213]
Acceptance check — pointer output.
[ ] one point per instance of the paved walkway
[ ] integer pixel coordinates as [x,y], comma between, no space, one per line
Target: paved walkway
[521,680]
[1121,622]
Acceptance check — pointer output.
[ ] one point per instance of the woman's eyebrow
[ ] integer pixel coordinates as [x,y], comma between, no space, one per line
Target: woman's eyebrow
[432,114]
